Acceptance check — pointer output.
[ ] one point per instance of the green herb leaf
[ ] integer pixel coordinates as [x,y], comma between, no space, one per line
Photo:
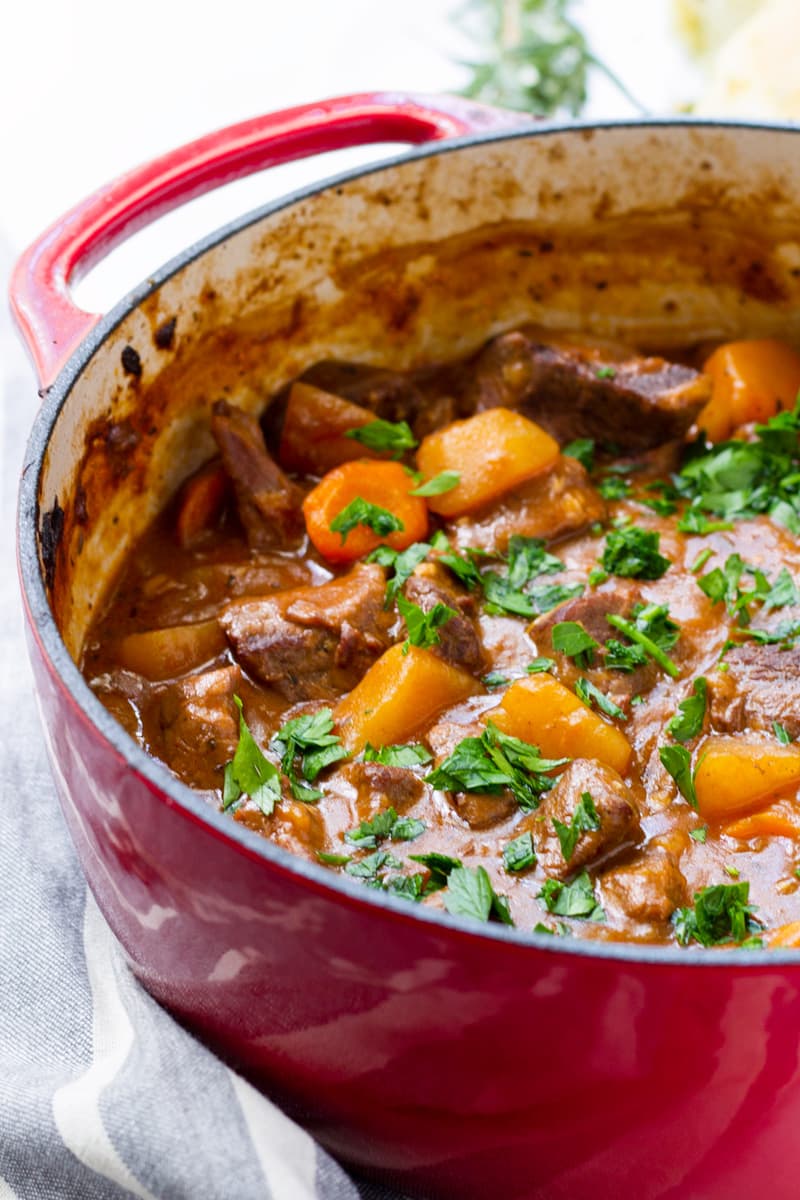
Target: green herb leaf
[558,929]
[422,627]
[495,761]
[310,739]
[536,665]
[614,487]
[470,894]
[583,450]
[651,629]
[439,866]
[519,854]
[575,899]
[783,591]
[463,568]
[495,679]
[699,835]
[781,733]
[589,694]
[249,773]
[361,512]
[688,722]
[384,435]
[596,576]
[695,521]
[720,914]
[633,554]
[619,657]
[570,638]
[411,755]
[333,860]
[701,560]
[678,762]
[367,869]
[605,373]
[584,819]
[444,482]
[550,596]
[403,563]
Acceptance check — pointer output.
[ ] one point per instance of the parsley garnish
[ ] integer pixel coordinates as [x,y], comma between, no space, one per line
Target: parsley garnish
[688,722]
[583,450]
[551,595]
[652,629]
[558,929]
[249,773]
[596,576]
[571,639]
[310,739]
[384,825]
[439,866]
[470,894]
[575,899]
[781,733]
[720,914]
[589,694]
[540,664]
[584,818]
[701,560]
[614,487]
[402,562]
[519,855]
[422,627]
[333,860]
[444,482]
[633,554]
[699,835]
[619,657]
[495,679]
[464,569]
[694,521]
[367,869]
[384,435]
[783,591]
[678,761]
[361,512]
[527,560]
[410,755]
[605,373]
[495,761]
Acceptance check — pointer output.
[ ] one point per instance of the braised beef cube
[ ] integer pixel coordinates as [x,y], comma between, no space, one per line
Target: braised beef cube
[459,640]
[444,736]
[298,828]
[269,504]
[313,642]
[550,506]
[614,805]
[759,688]
[389,394]
[590,389]
[482,810]
[198,725]
[647,890]
[377,787]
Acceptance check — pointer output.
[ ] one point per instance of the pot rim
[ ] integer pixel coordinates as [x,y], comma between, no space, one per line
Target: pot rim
[156,774]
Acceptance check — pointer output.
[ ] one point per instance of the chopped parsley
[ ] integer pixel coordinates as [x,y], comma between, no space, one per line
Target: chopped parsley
[783,591]
[614,487]
[367,869]
[527,560]
[495,761]
[781,733]
[549,596]
[444,482]
[570,638]
[605,373]
[540,664]
[495,679]
[557,929]
[652,630]
[307,743]
[380,435]
[361,512]
[519,854]
[575,899]
[249,773]
[633,554]
[590,694]
[333,860]
[470,894]
[402,562]
[721,914]
[678,762]
[688,721]
[385,824]
[409,755]
[583,450]
[695,521]
[699,835]
[584,819]
[596,576]
[464,568]
[701,560]
[423,627]
[619,657]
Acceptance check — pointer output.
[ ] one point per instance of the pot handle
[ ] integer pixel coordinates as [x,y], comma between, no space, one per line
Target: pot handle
[52,326]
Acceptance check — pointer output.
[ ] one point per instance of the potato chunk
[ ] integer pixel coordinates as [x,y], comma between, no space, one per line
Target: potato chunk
[737,775]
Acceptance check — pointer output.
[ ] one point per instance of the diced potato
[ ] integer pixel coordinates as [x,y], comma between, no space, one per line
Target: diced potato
[399,694]
[785,937]
[312,440]
[542,711]
[735,776]
[164,653]
[751,381]
[492,452]
[781,819]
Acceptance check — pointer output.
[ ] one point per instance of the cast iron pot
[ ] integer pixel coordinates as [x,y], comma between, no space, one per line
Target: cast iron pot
[451,1059]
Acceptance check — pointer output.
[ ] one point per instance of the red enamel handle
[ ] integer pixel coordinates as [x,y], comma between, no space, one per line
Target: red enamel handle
[52,325]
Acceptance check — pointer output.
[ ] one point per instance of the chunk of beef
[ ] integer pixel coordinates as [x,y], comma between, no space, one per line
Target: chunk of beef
[646,891]
[591,611]
[550,506]
[298,828]
[268,503]
[198,725]
[377,787]
[480,810]
[759,687]
[313,642]
[590,389]
[391,395]
[459,640]
[615,807]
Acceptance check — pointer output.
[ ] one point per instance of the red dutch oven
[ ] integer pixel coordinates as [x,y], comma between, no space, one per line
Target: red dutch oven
[447,1058]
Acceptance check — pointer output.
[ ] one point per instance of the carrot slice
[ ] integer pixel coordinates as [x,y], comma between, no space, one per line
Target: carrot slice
[313,441]
[735,776]
[398,695]
[384,485]
[491,452]
[751,381]
[540,710]
[200,503]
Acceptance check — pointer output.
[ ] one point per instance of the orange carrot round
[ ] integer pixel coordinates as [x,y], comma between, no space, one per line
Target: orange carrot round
[383,488]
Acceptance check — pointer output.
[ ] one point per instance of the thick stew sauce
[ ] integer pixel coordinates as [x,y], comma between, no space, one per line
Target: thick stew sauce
[517,637]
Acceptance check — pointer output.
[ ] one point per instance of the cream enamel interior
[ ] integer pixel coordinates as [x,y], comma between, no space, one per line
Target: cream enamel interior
[658,234]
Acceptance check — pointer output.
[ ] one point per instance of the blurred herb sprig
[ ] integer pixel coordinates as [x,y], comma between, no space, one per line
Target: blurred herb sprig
[535,58]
